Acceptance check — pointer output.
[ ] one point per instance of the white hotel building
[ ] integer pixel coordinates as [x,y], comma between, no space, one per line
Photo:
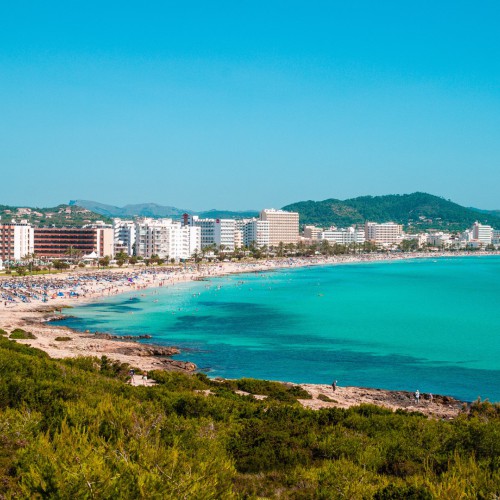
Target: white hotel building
[224,234]
[256,232]
[17,239]
[482,234]
[166,238]
[387,233]
[124,236]
[343,236]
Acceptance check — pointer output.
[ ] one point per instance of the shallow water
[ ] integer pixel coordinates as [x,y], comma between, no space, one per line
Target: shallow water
[432,325]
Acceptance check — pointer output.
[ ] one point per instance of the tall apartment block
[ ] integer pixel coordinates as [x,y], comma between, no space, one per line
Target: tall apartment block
[16,241]
[166,238]
[384,234]
[124,236]
[482,233]
[224,233]
[283,226]
[256,231]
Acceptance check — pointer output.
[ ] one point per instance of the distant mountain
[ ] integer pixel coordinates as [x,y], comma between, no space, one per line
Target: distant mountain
[418,210]
[157,211]
[141,209]
[496,213]
[227,214]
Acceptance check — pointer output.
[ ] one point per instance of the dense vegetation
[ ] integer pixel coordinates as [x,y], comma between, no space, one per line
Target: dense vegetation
[419,210]
[75,429]
[60,216]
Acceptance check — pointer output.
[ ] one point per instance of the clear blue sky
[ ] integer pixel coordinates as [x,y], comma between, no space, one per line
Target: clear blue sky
[248,104]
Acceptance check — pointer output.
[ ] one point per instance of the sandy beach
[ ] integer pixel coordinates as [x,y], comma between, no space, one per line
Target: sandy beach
[29,302]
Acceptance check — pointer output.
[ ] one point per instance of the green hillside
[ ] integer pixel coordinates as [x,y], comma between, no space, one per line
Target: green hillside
[62,215]
[417,210]
[74,429]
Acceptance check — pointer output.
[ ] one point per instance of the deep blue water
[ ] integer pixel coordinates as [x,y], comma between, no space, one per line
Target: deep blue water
[432,325]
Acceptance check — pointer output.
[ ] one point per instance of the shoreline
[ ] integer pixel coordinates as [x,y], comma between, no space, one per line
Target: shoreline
[84,286]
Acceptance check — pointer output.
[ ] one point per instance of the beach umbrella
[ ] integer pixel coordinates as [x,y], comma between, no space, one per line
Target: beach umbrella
[60,294]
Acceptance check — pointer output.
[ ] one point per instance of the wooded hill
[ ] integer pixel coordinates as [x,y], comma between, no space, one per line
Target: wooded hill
[417,210]
[75,429]
[62,215]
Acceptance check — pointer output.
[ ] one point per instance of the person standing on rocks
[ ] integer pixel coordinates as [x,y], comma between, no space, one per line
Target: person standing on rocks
[334,385]
[417,396]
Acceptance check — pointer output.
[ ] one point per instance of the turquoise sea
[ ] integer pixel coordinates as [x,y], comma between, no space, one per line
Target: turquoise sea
[432,325]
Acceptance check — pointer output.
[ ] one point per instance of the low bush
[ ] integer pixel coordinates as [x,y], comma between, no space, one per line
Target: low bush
[324,397]
[73,429]
[275,390]
[20,334]
[62,339]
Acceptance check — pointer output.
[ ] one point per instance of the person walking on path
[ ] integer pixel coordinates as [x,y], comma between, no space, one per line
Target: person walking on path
[334,385]
[417,396]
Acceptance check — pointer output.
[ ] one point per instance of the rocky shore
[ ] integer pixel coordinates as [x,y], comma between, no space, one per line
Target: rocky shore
[124,349]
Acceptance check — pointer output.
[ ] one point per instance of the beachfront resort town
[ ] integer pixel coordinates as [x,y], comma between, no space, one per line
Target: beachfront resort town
[177,240]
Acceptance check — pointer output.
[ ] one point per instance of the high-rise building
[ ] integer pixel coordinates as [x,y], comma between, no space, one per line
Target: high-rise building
[166,239]
[124,236]
[283,226]
[207,229]
[384,234]
[224,230]
[482,233]
[256,231]
[16,240]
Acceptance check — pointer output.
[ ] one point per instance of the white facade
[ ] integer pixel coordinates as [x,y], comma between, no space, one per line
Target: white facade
[384,234]
[257,232]
[124,236]
[343,236]
[16,240]
[283,226]
[166,238]
[207,229]
[224,230]
[482,233]
[238,238]
[439,239]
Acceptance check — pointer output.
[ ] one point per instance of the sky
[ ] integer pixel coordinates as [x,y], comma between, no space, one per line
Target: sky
[244,105]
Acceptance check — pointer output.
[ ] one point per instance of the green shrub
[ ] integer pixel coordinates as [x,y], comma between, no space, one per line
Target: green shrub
[324,397]
[62,339]
[20,334]
[73,428]
[3,332]
[275,390]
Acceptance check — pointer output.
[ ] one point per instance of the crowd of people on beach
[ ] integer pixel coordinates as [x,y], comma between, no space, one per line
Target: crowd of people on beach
[45,288]
[86,283]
